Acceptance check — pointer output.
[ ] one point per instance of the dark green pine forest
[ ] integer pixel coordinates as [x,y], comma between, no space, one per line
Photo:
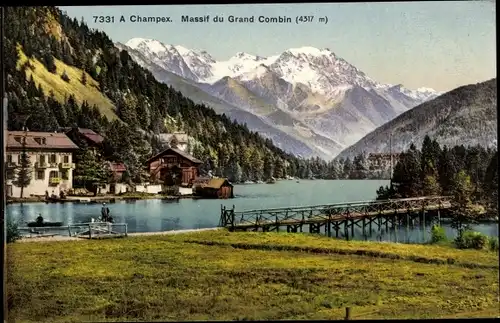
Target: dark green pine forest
[468,174]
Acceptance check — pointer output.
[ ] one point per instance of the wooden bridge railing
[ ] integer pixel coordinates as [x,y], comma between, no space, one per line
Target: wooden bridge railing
[328,212]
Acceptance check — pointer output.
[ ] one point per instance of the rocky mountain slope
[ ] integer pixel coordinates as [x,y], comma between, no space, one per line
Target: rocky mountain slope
[466,115]
[310,94]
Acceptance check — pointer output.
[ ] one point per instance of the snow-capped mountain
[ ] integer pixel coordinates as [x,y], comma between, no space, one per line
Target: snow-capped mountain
[306,92]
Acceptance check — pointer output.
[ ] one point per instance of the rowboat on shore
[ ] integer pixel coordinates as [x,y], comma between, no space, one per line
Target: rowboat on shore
[44,224]
[55,200]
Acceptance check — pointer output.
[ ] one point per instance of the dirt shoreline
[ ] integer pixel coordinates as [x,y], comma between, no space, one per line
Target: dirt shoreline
[97,199]
[135,234]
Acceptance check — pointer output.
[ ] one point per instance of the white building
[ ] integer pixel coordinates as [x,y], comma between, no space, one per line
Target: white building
[51,162]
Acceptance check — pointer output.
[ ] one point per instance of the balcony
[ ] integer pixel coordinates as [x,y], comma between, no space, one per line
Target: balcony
[54,180]
[67,165]
[40,165]
[10,165]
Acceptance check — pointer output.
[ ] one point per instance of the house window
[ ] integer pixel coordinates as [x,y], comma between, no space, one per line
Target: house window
[54,174]
[42,159]
[66,159]
[171,160]
[10,174]
[64,175]
[40,174]
[52,159]
[19,159]
[9,158]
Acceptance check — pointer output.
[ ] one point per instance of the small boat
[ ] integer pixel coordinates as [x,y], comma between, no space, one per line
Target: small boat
[44,224]
[171,199]
[55,200]
[271,181]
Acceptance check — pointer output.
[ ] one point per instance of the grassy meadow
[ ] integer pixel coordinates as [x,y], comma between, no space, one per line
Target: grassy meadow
[217,275]
[61,89]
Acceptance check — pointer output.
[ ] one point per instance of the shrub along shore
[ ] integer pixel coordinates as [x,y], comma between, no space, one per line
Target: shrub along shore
[218,275]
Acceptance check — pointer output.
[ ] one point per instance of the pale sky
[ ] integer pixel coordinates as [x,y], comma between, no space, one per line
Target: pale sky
[441,45]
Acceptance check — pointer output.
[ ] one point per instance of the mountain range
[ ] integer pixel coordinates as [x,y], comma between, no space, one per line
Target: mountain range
[309,101]
[466,115]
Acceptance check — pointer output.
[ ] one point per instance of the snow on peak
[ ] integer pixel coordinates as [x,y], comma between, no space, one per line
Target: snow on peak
[309,50]
[153,45]
[426,90]
[256,73]
[244,56]
[135,42]
[319,69]
[183,50]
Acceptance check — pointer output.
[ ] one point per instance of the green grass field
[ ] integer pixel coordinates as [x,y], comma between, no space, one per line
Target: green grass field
[62,89]
[228,276]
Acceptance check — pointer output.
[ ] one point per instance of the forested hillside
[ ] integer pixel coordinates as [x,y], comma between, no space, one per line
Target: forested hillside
[466,115]
[62,74]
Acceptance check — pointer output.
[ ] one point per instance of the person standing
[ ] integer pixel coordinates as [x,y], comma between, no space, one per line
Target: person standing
[104,213]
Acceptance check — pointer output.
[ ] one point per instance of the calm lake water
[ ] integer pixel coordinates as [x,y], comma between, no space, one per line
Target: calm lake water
[157,215]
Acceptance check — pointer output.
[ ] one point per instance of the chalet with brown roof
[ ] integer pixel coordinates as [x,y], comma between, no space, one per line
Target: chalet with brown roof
[51,162]
[92,139]
[117,169]
[173,167]
[213,188]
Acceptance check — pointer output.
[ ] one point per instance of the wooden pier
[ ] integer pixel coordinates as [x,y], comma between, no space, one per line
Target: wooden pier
[340,217]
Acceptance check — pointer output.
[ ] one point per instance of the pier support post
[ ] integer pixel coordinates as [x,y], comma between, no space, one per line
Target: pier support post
[346,229]
[439,217]
[423,222]
[329,228]
[408,227]
[364,229]
[395,227]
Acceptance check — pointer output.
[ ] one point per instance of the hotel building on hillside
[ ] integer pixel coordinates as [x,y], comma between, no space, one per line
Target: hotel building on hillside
[51,162]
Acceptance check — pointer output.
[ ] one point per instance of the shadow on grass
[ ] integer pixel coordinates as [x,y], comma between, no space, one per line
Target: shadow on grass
[358,252]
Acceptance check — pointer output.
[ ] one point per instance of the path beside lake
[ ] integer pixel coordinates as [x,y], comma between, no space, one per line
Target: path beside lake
[68,238]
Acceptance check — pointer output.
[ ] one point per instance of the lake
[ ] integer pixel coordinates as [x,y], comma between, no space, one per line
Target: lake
[158,215]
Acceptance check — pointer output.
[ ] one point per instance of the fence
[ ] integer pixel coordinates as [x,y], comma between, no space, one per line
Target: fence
[89,230]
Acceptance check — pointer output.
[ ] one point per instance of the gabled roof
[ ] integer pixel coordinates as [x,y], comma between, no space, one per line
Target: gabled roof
[178,152]
[52,140]
[117,167]
[182,138]
[89,134]
[214,183]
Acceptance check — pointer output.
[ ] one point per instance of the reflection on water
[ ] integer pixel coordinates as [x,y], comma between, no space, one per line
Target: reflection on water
[158,215]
